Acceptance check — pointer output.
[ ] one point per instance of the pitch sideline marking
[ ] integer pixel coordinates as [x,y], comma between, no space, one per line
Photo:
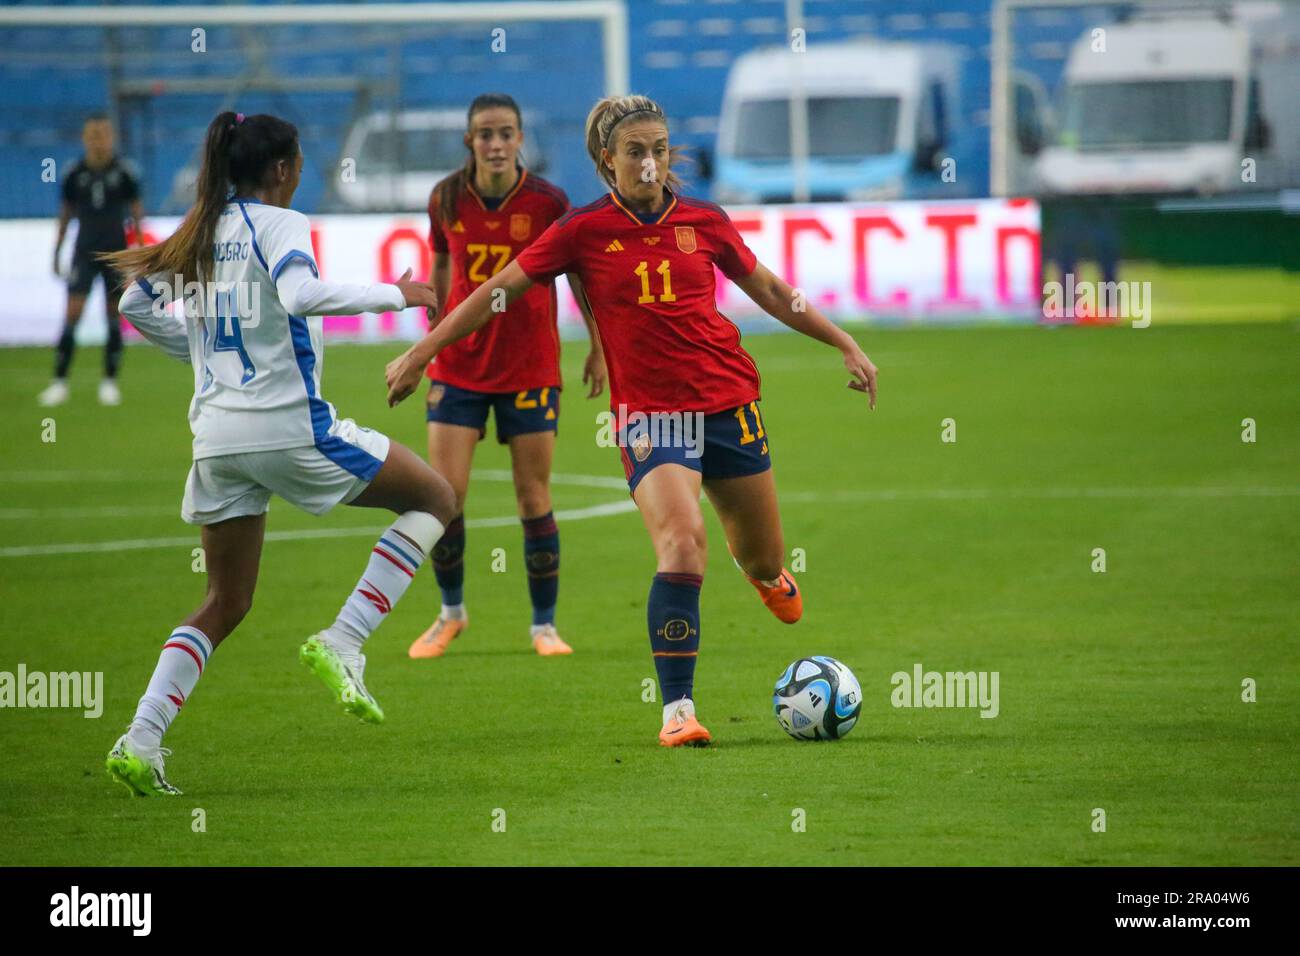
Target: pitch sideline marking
[798,497]
[975,494]
[622,507]
[147,544]
[490,474]
[126,511]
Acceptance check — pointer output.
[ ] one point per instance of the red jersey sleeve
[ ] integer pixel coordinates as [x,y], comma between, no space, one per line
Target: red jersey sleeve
[734,258]
[551,253]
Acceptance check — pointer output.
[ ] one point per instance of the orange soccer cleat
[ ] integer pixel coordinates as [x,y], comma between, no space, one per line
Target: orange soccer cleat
[784,599]
[434,641]
[548,643]
[683,730]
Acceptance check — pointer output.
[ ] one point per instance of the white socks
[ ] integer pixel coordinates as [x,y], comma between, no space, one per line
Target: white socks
[453,612]
[393,563]
[180,665]
[685,706]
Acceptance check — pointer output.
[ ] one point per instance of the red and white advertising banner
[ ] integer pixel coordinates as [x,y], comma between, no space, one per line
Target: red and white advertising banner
[898,261]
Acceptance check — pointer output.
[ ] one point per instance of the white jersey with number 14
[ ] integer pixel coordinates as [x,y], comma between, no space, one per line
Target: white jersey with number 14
[257,364]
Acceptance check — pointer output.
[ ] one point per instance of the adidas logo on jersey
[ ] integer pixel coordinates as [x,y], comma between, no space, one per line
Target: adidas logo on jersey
[614,246]
[458,227]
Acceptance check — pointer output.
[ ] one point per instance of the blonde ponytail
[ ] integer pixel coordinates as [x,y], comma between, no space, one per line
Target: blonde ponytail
[605,117]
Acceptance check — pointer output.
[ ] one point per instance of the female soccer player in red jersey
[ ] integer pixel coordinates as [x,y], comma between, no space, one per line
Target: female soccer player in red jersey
[480,218]
[646,255]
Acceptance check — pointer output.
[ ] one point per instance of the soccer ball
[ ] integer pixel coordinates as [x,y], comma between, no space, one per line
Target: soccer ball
[817,698]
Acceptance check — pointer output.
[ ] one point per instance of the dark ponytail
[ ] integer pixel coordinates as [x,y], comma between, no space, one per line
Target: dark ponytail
[237,155]
[448,192]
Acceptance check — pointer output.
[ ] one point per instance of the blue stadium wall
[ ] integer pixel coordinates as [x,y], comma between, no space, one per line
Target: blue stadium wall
[680,54]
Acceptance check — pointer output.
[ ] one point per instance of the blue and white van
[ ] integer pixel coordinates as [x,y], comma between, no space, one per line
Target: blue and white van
[882,118]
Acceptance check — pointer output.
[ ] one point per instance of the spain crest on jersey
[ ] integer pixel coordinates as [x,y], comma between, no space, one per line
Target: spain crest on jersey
[685,238]
[521,226]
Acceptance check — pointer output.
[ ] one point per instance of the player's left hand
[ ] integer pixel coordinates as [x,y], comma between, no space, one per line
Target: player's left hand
[594,372]
[403,374]
[864,373]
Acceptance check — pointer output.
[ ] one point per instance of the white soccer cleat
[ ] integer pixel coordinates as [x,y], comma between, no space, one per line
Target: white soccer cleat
[56,393]
[109,393]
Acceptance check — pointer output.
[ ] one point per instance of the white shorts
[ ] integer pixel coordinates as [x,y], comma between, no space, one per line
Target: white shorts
[314,478]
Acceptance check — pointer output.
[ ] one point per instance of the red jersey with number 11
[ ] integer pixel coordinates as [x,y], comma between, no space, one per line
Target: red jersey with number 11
[651,286]
[519,349]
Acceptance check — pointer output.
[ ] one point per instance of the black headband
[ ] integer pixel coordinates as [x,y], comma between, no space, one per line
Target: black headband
[614,125]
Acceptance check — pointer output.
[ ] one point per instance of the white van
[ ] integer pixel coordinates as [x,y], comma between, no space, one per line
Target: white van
[1167,105]
[880,118]
[399,157]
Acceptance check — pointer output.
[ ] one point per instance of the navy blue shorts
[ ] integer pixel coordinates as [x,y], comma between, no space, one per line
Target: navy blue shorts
[722,445]
[85,267]
[517,413]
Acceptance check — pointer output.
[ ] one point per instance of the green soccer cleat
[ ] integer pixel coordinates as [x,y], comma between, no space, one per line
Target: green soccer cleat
[143,776]
[342,675]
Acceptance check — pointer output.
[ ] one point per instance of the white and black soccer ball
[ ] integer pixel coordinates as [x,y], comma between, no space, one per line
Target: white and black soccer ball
[817,698]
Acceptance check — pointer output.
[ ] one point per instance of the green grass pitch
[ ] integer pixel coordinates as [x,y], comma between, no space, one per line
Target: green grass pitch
[1119,690]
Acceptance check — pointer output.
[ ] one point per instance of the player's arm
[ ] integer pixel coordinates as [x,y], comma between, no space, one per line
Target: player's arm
[774,296]
[146,309]
[441,281]
[137,221]
[286,242]
[482,305]
[65,217]
[593,370]
[131,193]
[302,293]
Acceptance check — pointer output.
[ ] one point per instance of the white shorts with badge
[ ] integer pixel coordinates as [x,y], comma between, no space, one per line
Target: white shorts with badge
[314,478]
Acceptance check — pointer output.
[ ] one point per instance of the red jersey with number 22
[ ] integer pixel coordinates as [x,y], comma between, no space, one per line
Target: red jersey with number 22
[519,349]
[651,286]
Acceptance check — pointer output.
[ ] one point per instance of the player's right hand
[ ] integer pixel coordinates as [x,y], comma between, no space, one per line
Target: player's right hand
[864,373]
[417,293]
[403,374]
[594,373]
